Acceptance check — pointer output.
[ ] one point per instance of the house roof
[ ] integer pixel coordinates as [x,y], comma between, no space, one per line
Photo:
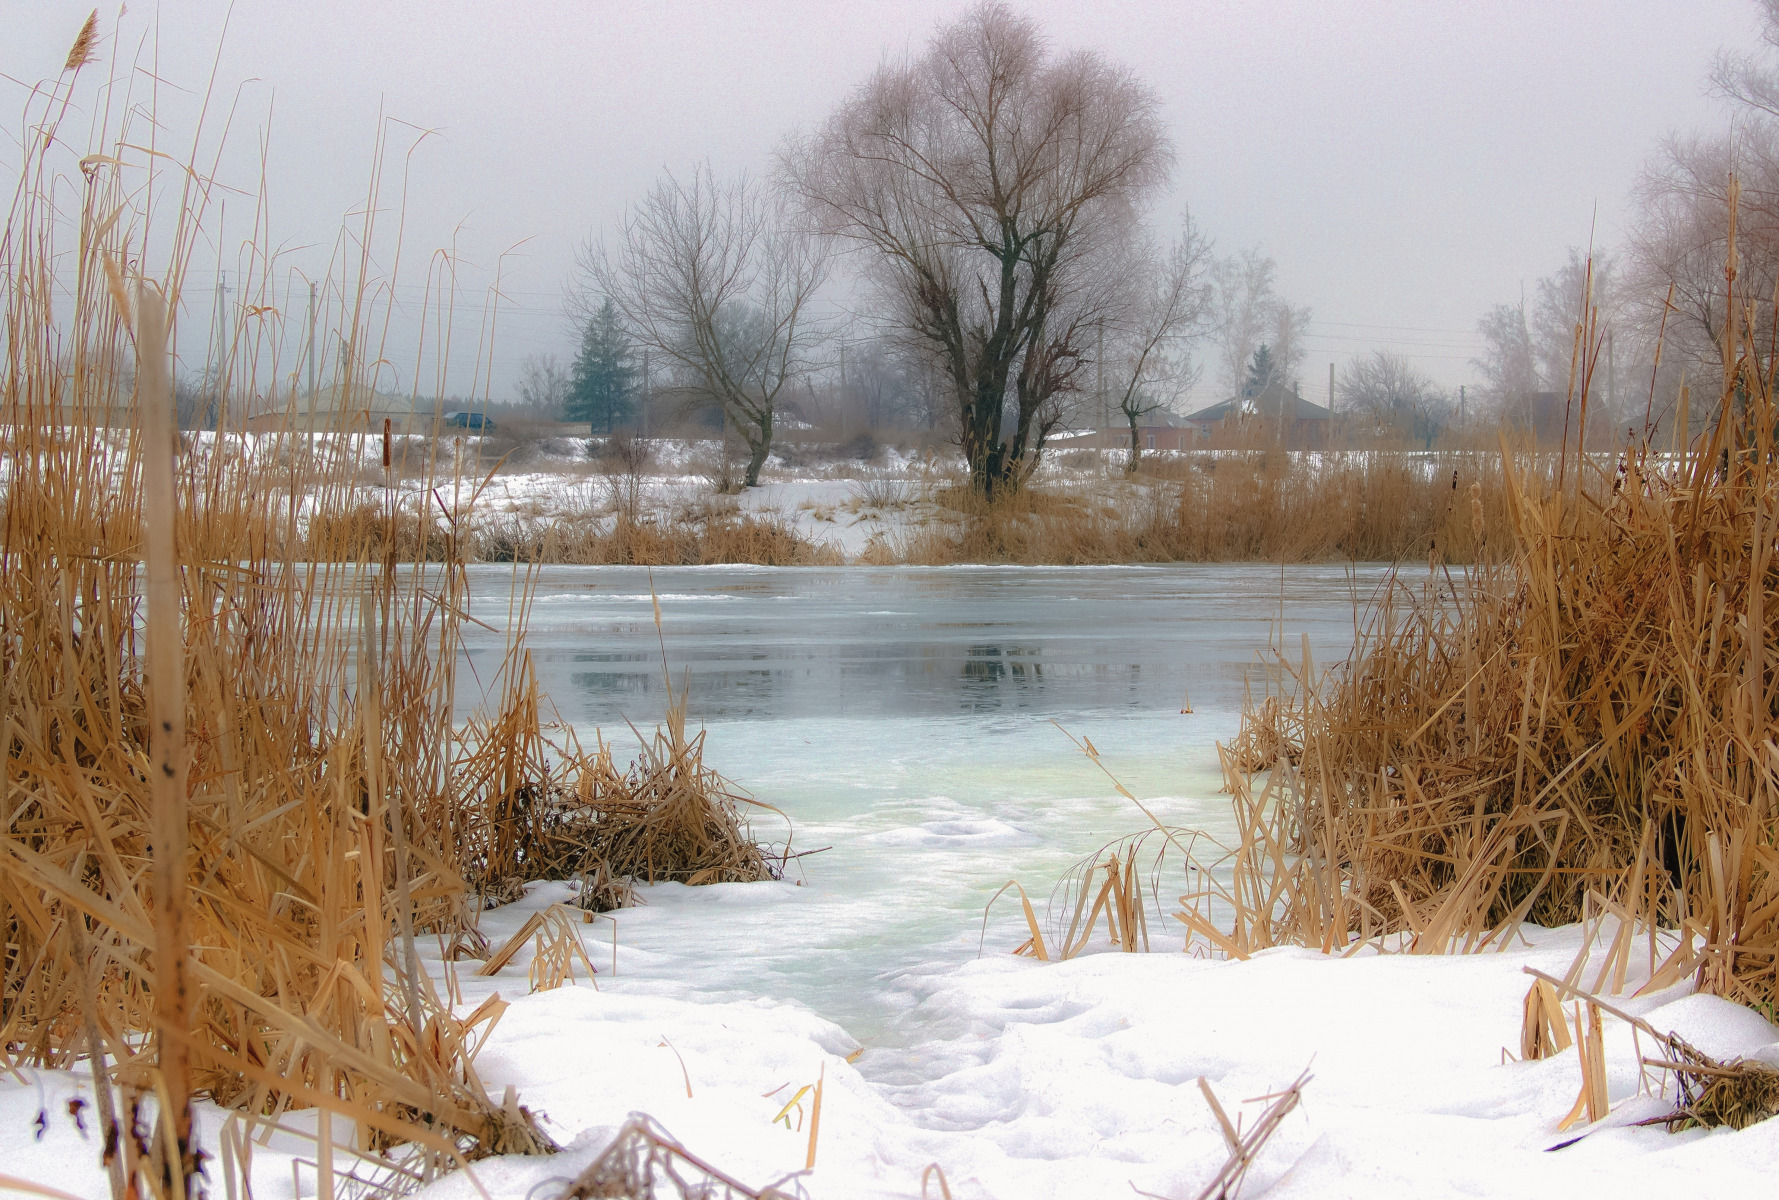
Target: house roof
[1267,404]
[1160,418]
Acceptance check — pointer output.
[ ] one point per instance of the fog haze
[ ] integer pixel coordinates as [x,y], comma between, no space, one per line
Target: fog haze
[1407,165]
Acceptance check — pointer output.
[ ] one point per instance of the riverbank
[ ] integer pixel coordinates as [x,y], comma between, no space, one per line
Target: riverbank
[1030,1080]
[665,502]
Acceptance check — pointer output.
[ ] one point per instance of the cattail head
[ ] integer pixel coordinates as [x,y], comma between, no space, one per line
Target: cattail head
[81,52]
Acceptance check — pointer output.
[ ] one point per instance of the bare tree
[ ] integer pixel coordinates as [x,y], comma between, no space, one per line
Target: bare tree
[983,179]
[713,277]
[1248,313]
[1388,391]
[1148,349]
[879,375]
[1242,299]
[1545,350]
[543,384]
[1290,322]
[1747,79]
[1679,243]
[1508,365]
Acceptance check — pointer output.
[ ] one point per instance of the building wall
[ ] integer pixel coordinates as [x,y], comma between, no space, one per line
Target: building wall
[1241,433]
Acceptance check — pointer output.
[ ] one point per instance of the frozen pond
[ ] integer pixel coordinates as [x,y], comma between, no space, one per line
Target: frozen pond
[903,716]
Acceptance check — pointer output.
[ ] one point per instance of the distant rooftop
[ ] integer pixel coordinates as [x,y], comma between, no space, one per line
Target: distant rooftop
[1268,403]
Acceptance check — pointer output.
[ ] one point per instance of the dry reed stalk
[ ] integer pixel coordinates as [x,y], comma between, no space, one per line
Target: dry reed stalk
[644,1162]
[815,1118]
[1119,897]
[1544,1030]
[308,761]
[557,945]
[1589,715]
[1244,1148]
[1710,1093]
[164,681]
[1034,945]
[1234,506]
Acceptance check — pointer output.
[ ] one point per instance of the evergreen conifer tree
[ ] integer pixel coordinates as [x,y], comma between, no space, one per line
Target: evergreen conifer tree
[1259,372]
[603,388]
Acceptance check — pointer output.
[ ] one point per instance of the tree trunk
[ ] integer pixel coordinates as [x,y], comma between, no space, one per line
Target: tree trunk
[1136,449]
[759,445]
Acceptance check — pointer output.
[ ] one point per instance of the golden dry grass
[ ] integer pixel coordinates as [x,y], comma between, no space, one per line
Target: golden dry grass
[697,539]
[1583,724]
[666,817]
[227,748]
[225,756]
[1232,506]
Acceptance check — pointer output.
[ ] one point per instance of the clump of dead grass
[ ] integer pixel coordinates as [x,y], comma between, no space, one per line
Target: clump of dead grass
[557,812]
[1585,720]
[1233,506]
[701,538]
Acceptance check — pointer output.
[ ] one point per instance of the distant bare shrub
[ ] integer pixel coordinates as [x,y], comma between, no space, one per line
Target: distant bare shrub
[627,461]
[862,447]
[882,491]
[718,468]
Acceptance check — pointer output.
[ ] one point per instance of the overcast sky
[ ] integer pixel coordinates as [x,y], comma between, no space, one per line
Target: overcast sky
[1407,164]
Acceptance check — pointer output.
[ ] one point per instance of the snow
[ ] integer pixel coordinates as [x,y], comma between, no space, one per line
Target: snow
[1080,1078]
[1035,1080]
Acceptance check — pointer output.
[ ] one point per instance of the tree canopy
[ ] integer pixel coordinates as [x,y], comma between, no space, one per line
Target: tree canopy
[996,186]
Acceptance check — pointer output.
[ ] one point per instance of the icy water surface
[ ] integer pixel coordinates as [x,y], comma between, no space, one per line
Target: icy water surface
[908,718]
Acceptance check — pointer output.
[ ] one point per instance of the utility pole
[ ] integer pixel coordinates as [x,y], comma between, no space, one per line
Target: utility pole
[842,398]
[1331,389]
[311,356]
[1461,421]
[645,391]
[1099,366]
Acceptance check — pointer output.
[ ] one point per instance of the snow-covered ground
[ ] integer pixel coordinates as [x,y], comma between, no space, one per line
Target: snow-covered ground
[1035,1080]
[838,503]
[1079,1079]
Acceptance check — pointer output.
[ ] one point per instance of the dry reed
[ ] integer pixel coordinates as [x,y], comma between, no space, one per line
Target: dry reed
[644,1162]
[667,817]
[700,539]
[181,663]
[232,791]
[1581,725]
[1233,506]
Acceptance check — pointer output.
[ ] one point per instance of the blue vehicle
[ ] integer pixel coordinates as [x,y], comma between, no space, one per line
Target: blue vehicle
[469,420]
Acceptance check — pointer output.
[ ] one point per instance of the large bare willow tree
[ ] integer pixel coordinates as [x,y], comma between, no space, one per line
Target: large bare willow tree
[712,277]
[991,182]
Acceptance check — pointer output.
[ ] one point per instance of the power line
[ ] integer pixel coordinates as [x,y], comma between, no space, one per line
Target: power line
[1411,328]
